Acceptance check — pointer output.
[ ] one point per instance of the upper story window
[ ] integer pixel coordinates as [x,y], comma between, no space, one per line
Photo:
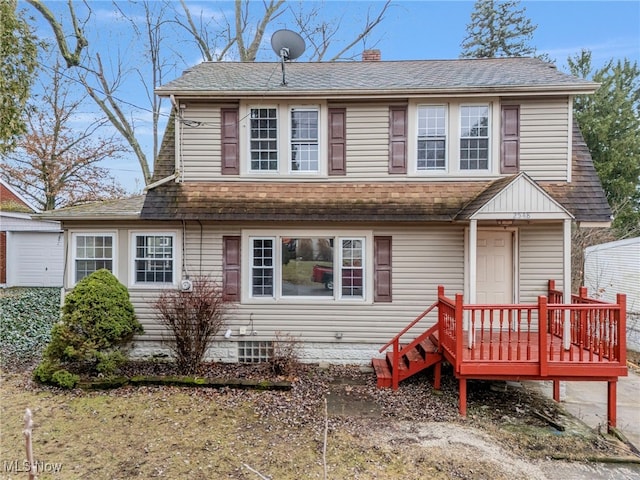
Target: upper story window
[283,139]
[91,253]
[264,140]
[154,258]
[432,137]
[304,140]
[474,137]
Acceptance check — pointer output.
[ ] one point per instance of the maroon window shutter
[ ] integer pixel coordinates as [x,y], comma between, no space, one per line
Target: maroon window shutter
[382,269]
[510,148]
[397,139]
[337,141]
[230,154]
[231,268]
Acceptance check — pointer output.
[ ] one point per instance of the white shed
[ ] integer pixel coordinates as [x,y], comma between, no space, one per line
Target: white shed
[31,251]
[612,268]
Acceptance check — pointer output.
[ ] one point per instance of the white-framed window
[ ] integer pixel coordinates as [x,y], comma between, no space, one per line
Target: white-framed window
[92,252]
[154,258]
[263,139]
[304,148]
[283,139]
[432,129]
[352,267]
[474,137]
[262,267]
[293,265]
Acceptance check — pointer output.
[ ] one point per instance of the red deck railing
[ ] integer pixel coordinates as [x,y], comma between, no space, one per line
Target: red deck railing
[535,340]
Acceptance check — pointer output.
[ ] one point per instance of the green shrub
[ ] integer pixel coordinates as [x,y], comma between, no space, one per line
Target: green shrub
[98,320]
[65,379]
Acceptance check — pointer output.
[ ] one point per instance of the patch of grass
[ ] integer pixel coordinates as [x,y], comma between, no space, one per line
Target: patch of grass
[28,315]
[171,432]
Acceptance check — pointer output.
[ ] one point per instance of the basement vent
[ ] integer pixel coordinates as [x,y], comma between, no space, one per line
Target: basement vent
[254,352]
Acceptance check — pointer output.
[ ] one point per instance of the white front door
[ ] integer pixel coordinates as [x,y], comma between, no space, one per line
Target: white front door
[494,268]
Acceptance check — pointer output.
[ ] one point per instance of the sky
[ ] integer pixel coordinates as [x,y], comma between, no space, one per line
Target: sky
[411,30]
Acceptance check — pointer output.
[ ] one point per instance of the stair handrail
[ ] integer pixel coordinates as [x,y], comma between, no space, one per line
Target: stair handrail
[409,327]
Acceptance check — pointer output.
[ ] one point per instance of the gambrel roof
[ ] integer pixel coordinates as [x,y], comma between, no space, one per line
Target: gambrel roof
[334,79]
[391,201]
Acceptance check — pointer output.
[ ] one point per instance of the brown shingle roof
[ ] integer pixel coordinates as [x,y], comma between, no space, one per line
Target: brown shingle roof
[327,201]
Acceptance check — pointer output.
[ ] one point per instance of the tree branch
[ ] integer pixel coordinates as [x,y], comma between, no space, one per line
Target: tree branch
[72,59]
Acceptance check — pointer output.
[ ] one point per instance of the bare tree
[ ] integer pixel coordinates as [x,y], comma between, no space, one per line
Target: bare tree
[321,33]
[55,165]
[217,39]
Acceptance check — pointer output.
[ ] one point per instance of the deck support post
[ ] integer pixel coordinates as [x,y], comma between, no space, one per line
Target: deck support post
[473,259]
[612,387]
[437,375]
[462,396]
[556,390]
[566,283]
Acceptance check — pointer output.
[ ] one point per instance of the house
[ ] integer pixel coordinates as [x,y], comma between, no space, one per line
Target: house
[31,250]
[614,267]
[386,182]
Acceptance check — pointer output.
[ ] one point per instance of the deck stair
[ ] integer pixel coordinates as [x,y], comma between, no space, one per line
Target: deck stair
[416,358]
[402,361]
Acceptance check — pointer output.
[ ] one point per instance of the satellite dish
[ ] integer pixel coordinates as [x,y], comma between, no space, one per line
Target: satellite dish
[288,46]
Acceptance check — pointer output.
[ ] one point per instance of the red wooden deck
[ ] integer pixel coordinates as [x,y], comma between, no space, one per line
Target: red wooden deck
[548,340]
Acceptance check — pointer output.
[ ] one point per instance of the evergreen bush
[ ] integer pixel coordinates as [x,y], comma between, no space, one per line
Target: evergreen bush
[98,320]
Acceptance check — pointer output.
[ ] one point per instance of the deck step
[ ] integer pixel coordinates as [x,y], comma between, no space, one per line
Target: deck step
[428,346]
[414,356]
[402,363]
[383,373]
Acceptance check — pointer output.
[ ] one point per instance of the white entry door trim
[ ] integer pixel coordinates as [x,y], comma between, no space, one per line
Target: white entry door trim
[473,271]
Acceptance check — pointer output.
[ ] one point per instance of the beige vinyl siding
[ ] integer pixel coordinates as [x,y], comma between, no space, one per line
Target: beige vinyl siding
[422,259]
[367,132]
[544,134]
[541,259]
[199,136]
[544,141]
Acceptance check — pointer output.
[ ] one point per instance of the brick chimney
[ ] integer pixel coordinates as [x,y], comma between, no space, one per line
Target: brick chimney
[371,55]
